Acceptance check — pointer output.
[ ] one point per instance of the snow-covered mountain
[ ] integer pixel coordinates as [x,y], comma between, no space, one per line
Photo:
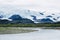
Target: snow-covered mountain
[37,17]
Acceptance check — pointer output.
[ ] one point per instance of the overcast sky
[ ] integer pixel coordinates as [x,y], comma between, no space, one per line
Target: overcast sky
[53,5]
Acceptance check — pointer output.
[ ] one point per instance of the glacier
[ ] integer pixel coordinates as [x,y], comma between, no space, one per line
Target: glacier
[8,11]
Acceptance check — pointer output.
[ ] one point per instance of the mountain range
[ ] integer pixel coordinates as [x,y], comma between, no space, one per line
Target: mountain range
[27,14]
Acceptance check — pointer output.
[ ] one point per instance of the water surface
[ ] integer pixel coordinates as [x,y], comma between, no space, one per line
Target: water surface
[41,34]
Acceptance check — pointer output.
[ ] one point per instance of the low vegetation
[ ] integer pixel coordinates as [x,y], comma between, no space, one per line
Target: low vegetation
[18,28]
[29,25]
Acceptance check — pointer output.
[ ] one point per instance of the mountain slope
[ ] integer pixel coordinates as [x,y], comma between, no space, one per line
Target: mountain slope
[8,11]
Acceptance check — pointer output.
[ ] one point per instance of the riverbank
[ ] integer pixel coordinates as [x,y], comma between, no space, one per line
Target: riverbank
[29,25]
[17,30]
[14,30]
[41,34]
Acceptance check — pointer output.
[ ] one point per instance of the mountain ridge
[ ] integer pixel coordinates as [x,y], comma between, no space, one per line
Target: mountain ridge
[26,13]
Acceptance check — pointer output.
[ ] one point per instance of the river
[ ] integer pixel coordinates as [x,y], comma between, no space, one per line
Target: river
[41,34]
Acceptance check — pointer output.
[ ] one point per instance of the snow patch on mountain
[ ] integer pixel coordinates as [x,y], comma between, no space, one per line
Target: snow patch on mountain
[6,12]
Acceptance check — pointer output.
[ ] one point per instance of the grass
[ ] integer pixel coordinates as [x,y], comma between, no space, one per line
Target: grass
[29,25]
[16,28]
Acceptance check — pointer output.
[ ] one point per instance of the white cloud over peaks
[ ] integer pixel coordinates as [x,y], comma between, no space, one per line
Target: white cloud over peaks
[53,5]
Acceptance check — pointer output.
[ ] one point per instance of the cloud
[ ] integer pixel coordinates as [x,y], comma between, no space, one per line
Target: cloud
[36,4]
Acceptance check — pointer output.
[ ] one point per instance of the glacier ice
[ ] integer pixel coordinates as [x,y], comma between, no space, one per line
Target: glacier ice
[8,11]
